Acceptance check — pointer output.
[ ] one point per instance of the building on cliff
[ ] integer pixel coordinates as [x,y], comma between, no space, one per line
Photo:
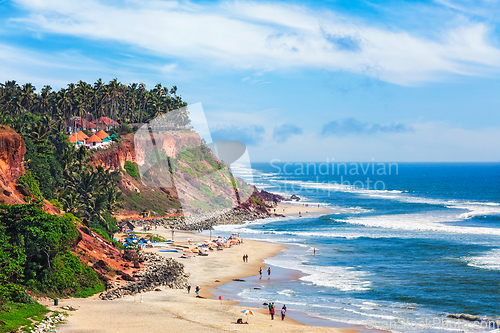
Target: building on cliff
[76,124]
[94,142]
[105,123]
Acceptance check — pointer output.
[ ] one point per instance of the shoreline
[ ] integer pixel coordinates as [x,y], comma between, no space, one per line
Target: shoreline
[176,308]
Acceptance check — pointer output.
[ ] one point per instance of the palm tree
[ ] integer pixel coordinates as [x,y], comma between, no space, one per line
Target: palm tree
[28,96]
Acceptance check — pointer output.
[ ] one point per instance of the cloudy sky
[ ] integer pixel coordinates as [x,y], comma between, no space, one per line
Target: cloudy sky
[297,81]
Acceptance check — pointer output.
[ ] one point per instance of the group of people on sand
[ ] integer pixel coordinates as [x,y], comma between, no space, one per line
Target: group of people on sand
[197,290]
[245,258]
[268,273]
[272,311]
[148,227]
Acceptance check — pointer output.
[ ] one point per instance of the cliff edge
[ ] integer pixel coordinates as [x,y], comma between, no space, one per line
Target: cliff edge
[12,150]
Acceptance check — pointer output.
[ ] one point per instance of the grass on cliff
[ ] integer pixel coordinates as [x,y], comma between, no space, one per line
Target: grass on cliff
[131,169]
[15,315]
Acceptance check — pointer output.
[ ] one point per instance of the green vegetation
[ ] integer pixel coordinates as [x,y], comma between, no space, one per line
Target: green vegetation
[31,184]
[154,201]
[90,194]
[56,204]
[15,315]
[131,169]
[88,101]
[35,252]
[256,201]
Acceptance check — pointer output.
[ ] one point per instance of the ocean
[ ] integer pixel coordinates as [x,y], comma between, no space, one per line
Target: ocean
[405,244]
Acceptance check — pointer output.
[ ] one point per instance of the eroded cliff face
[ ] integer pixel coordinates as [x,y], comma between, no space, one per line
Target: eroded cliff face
[12,150]
[199,184]
[110,264]
[115,157]
[128,150]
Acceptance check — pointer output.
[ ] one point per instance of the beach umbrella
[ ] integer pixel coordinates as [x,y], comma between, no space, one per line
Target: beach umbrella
[248,312]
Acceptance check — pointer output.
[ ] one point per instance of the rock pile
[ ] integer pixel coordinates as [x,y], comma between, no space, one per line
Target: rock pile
[483,322]
[259,206]
[235,216]
[48,324]
[205,221]
[157,271]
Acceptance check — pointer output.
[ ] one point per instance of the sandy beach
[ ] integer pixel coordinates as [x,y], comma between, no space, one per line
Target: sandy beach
[294,208]
[175,310]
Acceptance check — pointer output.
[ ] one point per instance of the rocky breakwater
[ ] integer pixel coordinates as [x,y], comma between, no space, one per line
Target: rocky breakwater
[259,206]
[157,271]
[234,216]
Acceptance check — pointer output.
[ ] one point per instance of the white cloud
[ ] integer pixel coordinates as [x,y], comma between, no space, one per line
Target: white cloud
[265,36]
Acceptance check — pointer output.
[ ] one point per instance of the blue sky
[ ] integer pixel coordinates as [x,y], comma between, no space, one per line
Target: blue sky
[296,81]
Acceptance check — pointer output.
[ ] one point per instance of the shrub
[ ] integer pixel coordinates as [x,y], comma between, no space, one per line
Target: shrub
[31,184]
[131,169]
[56,204]
[69,275]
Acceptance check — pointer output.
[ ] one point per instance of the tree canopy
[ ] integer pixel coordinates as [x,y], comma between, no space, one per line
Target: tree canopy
[132,103]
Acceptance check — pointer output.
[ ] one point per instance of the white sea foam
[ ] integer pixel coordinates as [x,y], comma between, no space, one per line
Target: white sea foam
[488,260]
[340,278]
[287,292]
[420,222]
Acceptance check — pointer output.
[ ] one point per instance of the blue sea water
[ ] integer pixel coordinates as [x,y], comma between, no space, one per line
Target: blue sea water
[405,245]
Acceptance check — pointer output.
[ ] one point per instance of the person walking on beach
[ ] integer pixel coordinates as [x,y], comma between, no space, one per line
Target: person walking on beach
[314,251]
[244,258]
[189,289]
[260,272]
[197,290]
[269,273]
[270,306]
[272,313]
[283,313]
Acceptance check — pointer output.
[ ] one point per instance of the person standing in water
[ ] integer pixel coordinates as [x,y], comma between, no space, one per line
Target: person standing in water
[283,310]
[269,273]
[260,272]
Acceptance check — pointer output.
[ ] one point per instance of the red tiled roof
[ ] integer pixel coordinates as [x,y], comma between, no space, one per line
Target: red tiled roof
[78,123]
[107,121]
